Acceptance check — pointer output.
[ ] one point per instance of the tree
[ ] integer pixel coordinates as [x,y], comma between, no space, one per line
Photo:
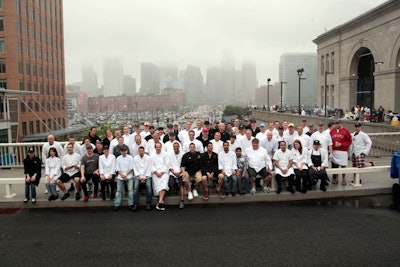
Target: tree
[235,110]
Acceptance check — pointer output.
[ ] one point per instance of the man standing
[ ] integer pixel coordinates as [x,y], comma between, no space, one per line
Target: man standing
[117,151]
[169,145]
[323,137]
[93,135]
[70,164]
[283,159]
[246,142]
[259,164]
[290,136]
[270,144]
[89,171]
[204,137]
[138,143]
[228,167]
[183,135]
[217,142]
[341,140]
[51,142]
[142,166]
[360,148]
[124,168]
[128,138]
[192,140]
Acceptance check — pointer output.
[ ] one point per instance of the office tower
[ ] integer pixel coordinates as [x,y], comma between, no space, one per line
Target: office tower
[248,83]
[89,81]
[228,78]
[168,76]
[193,86]
[129,87]
[32,62]
[149,78]
[213,90]
[113,77]
[288,66]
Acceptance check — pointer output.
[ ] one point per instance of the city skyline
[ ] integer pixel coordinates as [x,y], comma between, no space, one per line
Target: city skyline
[193,33]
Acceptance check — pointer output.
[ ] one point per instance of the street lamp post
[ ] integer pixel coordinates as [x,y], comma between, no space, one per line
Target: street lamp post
[268,80]
[300,72]
[326,86]
[282,95]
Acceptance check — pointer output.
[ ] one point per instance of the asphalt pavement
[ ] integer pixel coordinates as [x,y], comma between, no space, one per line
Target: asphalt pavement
[312,233]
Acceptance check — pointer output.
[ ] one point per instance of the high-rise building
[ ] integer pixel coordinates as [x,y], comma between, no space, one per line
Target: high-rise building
[168,76]
[113,77]
[32,62]
[288,66]
[248,83]
[228,78]
[213,90]
[129,87]
[149,78]
[89,81]
[193,86]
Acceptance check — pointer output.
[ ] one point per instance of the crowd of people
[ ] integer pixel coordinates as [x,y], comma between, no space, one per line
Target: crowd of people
[234,158]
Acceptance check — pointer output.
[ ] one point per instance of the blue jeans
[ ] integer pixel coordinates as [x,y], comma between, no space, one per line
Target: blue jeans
[120,192]
[30,189]
[228,188]
[149,192]
[243,183]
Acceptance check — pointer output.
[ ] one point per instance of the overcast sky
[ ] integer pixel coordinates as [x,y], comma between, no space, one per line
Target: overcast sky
[197,32]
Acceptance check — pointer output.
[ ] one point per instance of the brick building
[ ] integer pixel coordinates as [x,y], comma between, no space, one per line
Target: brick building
[32,60]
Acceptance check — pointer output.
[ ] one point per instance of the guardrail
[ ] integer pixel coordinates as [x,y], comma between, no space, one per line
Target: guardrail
[12,155]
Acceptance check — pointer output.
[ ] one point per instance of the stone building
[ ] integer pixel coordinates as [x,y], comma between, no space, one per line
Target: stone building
[359,61]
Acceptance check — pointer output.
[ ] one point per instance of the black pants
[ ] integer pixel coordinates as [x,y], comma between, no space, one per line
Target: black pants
[318,175]
[105,184]
[290,178]
[301,180]
[95,180]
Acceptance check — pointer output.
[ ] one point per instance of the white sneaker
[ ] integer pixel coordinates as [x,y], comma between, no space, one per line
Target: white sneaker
[46,191]
[190,195]
[253,191]
[266,189]
[195,194]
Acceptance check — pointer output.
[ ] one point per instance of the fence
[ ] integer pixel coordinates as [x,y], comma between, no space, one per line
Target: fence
[13,154]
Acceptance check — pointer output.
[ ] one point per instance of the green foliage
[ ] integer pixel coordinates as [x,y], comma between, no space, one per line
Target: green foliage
[236,110]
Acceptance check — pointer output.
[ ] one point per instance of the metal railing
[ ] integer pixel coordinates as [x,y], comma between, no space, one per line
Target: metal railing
[384,144]
[13,154]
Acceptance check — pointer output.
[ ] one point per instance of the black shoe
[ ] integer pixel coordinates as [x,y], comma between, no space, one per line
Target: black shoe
[233,194]
[291,190]
[279,190]
[50,198]
[55,197]
[65,196]
[77,196]
[226,194]
[160,207]
[303,191]
[148,207]
[72,188]
[26,200]
[323,189]
[103,196]
[112,196]
[134,207]
[115,208]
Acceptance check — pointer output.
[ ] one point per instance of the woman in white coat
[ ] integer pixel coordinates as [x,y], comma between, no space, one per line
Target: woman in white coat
[53,172]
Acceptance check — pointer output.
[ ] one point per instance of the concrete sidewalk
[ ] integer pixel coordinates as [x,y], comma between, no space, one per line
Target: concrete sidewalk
[372,184]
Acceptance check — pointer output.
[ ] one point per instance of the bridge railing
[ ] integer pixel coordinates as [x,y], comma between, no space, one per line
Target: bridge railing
[13,154]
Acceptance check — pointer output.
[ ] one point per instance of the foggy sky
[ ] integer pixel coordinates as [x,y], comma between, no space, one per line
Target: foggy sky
[197,32]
